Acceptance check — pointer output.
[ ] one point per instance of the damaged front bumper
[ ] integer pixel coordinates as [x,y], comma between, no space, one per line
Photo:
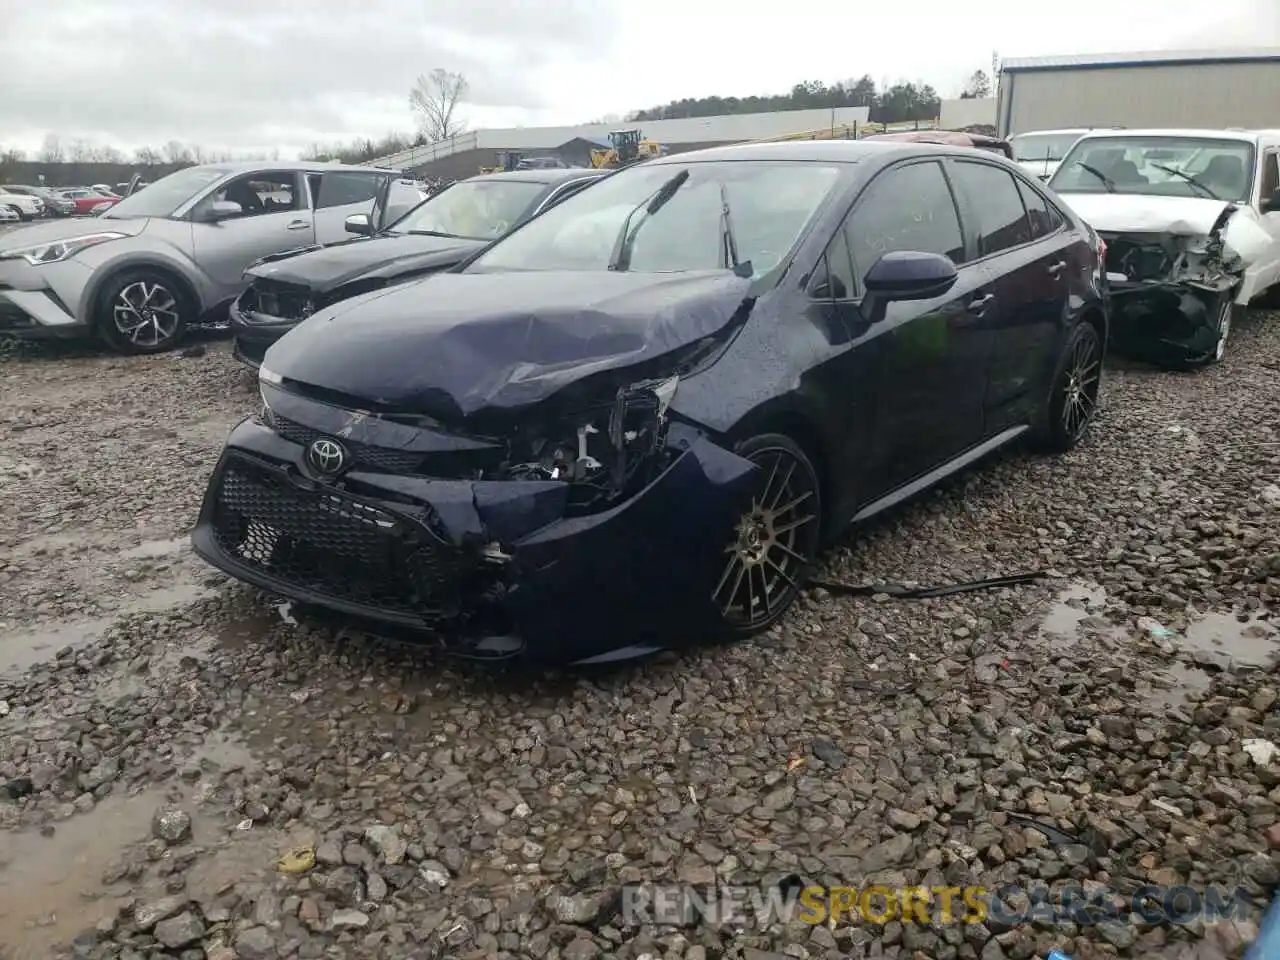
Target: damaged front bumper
[264,313]
[1168,292]
[491,568]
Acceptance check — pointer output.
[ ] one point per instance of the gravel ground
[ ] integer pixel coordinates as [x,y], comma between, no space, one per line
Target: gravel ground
[167,736]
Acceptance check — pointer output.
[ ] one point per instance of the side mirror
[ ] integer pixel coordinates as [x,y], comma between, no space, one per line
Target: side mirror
[223,210]
[358,223]
[910,275]
[1272,203]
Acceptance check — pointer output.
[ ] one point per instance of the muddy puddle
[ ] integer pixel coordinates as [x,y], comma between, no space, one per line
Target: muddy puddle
[1222,641]
[1177,685]
[1074,611]
[52,888]
[22,649]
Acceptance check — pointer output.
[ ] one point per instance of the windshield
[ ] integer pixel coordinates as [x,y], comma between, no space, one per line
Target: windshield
[1043,146]
[167,194]
[1159,167]
[771,205]
[473,209]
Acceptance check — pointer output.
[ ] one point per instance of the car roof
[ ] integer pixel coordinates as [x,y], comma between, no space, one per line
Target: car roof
[821,151]
[1061,130]
[546,175]
[1247,136]
[306,166]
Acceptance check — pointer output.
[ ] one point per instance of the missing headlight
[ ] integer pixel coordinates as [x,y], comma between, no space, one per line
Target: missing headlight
[605,453]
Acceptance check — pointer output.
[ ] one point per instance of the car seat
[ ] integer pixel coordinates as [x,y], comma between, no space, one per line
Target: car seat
[1226,173]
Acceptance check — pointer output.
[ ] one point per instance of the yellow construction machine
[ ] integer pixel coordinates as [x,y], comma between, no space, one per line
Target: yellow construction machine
[627,147]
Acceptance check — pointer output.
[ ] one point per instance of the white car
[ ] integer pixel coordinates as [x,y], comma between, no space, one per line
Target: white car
[26,207]
[1039,152]
[1191,219]
[8,216]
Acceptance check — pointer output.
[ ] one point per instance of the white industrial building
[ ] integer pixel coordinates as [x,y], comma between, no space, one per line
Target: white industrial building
[464,154]
[1230,87]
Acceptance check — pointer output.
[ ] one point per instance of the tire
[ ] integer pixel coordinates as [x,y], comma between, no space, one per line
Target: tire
[775,540]
[22,217]
[143,311]
[1073,396]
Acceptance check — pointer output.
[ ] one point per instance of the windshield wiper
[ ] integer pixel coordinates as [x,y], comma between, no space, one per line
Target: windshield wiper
[621,256]
[1106,181]
[435,233]
[727,240]
[1187,177]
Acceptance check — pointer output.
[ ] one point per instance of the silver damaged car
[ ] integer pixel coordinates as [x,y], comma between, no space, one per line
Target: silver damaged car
[175,253]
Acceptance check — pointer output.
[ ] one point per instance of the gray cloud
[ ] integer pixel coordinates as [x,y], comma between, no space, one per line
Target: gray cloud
[237,73]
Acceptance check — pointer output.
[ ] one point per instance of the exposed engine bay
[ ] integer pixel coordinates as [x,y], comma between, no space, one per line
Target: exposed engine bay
[608,453]
[1170,292]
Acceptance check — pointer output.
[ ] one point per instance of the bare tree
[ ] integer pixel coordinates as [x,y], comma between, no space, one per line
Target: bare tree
[12,156]
[110,155]
[435,98]
[80,151]
[147,157]
[51,151]
[176,152]
[977,87]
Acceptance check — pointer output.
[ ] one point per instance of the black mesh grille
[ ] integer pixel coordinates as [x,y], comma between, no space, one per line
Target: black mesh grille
[273,298]
[363,455]
[331,544]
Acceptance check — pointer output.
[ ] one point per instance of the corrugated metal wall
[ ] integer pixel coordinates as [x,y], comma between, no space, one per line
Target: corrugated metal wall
[1192,95]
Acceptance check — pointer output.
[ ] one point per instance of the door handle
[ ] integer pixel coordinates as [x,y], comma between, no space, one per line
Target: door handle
[979,305]
[1056,269]
[298,225]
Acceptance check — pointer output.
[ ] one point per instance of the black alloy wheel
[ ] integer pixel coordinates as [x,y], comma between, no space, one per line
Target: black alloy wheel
[143,311]
[1074,398]
[775,539]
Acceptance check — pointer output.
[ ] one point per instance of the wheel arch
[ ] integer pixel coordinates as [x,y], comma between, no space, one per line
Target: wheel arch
[801,427]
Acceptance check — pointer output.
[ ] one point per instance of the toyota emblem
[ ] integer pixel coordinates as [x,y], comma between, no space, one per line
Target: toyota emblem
[326,456]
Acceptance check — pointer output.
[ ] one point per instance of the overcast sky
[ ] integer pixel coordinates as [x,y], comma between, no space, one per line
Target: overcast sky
[251,76]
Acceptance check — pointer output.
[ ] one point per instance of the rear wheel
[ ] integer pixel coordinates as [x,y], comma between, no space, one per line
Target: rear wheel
[1073,398]
[143,311]
[775,539]
[17,210]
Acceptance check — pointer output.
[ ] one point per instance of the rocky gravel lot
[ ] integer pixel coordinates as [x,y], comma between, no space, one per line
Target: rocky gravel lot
[186,770]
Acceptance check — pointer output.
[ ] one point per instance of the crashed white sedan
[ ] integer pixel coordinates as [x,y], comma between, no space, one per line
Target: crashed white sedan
[1191,219]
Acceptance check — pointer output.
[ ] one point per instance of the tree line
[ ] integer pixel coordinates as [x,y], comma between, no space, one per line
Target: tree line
[55,149]
[897,103]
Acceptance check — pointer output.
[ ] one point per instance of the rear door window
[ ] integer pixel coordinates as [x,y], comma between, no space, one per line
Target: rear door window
[1042,218]
[342,188]
[993,194]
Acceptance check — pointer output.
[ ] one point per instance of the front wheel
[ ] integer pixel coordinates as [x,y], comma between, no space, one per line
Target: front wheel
[775,540]
[143,311]
[18,210]
[1073,397]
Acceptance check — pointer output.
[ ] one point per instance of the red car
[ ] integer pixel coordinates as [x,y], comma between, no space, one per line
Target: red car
[88,201]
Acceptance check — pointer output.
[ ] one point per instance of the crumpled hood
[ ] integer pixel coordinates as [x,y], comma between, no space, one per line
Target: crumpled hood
[1178,216]
[324,267]
[35,233]
[471,342]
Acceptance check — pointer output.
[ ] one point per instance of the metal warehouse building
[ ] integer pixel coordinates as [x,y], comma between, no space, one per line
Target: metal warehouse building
[1218,88]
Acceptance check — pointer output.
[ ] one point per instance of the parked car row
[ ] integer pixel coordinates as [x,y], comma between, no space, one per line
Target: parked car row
[573,415]
[54,201]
